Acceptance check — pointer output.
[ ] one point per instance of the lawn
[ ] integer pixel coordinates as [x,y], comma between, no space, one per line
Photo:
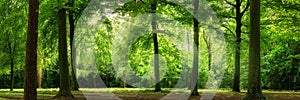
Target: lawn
[144,94]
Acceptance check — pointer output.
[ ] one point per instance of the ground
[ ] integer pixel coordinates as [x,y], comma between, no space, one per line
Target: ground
[143,94]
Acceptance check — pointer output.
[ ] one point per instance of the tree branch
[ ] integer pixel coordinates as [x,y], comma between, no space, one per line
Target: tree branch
[229,30]
[227,16]
[234,5]
[247,7]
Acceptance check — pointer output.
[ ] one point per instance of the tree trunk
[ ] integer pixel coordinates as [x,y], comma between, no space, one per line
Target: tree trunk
[254,80]
[11,74]
[30,92]
[40,77]
[208,47]
[94,82]
[155,41]
[11,64]
[238,18]
[1,81]
[74,84]
[123,84]
[209,56]
[64,89]
[194,76]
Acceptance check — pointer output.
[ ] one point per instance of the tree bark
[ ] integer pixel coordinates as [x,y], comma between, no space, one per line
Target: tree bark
[74,84]
[194,76]
[64,89]
[30,92]
[254,79]
[156,51]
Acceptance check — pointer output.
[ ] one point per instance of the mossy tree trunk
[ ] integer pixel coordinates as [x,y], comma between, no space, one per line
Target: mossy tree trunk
[30,92]
[254,79]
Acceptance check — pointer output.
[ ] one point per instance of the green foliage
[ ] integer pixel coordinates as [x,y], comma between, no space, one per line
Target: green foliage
[279,43]
[142,60]
[281,67]
[12,39]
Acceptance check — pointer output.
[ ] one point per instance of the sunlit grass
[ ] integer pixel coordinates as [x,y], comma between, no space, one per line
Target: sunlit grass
[138,92]
[3,99]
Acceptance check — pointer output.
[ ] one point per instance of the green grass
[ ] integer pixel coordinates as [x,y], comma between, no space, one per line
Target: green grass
[146,93]
[3,99]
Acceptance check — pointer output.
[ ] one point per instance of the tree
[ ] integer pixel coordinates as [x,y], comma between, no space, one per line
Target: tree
[30,92]
[239,13]
[47,66]
[207,41]
[74,84]
[156,52]
[13,38]
[11,51]
[194,76]
[64,89]
[254,80]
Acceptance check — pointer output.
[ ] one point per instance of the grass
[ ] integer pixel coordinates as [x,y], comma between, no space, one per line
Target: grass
[3,99]
[145,93]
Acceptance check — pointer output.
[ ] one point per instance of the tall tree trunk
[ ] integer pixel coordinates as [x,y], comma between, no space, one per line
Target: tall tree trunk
[74,84]
[238,28]
[64,89]
[194,76]
[238,18]
[155,41]
[254,80]
[31,52]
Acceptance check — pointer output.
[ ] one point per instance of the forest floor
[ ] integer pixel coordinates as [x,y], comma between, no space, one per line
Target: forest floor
[145,94]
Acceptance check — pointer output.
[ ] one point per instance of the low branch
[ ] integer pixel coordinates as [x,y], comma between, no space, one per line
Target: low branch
[234,5]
